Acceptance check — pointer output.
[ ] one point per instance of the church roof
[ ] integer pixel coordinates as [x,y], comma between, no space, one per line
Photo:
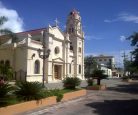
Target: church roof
[32,32]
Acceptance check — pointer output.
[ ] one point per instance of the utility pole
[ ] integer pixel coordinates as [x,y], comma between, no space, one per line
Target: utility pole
[45,54]
[124,61]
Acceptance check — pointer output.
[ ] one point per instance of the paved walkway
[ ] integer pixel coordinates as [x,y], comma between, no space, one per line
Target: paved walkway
[120,98]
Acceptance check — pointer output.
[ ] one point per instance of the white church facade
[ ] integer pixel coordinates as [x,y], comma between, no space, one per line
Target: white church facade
[66,56]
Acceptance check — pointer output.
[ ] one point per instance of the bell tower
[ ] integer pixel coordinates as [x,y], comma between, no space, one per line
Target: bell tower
[74,26]
[76,37]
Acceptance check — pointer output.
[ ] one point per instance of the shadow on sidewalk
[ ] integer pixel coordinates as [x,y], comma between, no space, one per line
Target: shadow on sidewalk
[115,107]
[126,88]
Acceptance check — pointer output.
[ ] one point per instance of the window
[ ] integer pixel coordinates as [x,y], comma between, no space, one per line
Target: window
[69,30]
[56,50]
[79,69]
[69,68]
[71,47]
[105,60]
[72,30]
[2,62]
[37,67]
[100,59]
[79,49]
[7,63]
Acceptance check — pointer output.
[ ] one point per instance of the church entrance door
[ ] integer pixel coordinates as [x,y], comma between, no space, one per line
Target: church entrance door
[57,71]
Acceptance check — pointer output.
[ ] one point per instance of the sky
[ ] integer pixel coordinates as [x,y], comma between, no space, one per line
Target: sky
[106,23]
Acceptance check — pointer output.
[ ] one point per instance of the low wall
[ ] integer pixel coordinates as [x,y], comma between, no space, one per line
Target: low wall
[30,105]
[26,106]
[72,95]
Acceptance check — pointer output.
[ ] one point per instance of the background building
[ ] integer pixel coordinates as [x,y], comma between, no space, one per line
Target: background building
[106,63]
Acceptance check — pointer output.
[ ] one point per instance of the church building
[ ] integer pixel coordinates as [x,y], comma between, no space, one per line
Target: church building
[64,52]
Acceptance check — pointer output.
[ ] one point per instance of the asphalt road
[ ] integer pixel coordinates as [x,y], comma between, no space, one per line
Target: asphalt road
[120,98]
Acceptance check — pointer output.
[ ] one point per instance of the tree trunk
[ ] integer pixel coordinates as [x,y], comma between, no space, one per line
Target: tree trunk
[98,81]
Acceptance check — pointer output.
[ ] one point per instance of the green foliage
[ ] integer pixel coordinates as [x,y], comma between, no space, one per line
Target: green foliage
[55,92]
[29,91]
[90,66]
[99,75]
[6,31]
[125,77]
[90,81]
[58,93]
[6,71]
[71,82]
[3,19]
[134,42]
[5,89]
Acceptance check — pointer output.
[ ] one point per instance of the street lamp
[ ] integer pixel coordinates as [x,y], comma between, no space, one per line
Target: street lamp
[44,54]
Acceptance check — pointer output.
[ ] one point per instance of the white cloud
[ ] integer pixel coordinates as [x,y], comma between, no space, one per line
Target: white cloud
[90,37]
[106,20]
[126,17]
[109,21]
[122,38]
[14,23]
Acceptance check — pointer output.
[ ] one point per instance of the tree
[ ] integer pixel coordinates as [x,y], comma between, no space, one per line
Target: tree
[90,66]
[99,75]
[6,71]
[6,32]
[134,42]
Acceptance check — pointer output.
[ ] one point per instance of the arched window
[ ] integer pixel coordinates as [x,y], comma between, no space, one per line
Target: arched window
[71,47]
[72,30]
[56,50]
[79,69]
[79,49]
[37,67]
[2,62]
[7,63]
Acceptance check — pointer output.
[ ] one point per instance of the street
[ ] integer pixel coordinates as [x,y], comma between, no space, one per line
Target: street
[120,98]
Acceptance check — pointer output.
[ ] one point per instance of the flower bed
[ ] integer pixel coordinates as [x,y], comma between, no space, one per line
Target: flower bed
[26,106]
[97,87]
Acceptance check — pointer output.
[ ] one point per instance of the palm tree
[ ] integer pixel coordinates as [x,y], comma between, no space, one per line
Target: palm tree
[99,75]
[6,32]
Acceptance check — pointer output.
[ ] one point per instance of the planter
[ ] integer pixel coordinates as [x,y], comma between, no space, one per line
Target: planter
[73,95]
[127,80]
[26,106]
[30,105]
[69,86]
[96,87]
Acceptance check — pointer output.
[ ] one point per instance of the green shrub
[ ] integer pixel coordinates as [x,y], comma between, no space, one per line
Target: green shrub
[71,82]
[125,77]
[29,91]
[5,91]
[56,92]
[99,75]
[90,81]
[59,94]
